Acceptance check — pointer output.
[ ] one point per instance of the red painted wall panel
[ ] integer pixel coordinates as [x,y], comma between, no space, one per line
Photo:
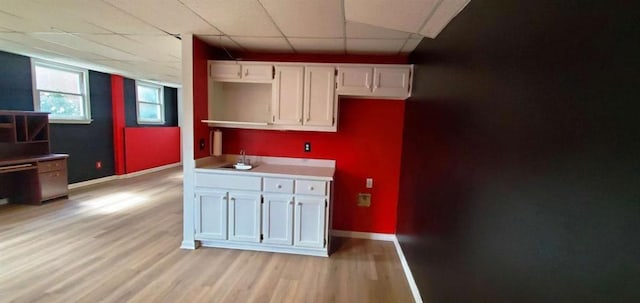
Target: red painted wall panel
[117,105]
[201,53]
[368,144]
[148,147]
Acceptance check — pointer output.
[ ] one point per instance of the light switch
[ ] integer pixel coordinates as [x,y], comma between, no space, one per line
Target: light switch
[369,182]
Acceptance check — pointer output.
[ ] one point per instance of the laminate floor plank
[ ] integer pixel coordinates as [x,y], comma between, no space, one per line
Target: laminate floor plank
[119,241]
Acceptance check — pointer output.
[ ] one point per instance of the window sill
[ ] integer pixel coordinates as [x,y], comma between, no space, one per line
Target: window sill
[61,121]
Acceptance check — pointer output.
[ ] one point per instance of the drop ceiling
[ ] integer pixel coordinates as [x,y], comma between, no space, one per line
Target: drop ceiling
[140,38]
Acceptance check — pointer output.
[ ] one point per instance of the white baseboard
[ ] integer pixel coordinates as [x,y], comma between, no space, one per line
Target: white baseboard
[125,176]
[362,235]
[385,237]
[407,272]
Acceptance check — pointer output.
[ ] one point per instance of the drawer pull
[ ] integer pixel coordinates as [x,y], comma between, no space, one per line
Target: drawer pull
[279,186]
[310,187]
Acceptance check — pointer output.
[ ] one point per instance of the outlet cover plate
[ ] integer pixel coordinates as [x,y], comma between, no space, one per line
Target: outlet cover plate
[364,200]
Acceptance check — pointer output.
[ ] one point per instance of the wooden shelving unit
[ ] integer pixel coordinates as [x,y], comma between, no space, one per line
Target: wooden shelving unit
[29,173]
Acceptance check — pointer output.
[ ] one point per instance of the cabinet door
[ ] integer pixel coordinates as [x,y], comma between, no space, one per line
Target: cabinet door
[354,80]
[257,72]
[225,71]
[211,215]
[391,81]
[309,222]
[287,95]
[277,219]
[319,95]
[244,217]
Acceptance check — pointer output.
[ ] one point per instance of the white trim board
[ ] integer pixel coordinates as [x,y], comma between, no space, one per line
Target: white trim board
[125,176]
[385,237]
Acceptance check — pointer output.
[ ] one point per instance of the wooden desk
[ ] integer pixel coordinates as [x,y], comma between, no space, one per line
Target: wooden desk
[34,179]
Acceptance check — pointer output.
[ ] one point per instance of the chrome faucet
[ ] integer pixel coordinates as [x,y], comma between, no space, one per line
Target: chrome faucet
[243,156]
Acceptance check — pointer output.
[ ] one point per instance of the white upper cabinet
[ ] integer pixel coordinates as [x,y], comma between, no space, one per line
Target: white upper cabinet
[319,96]
[377,81]
[391,81]
[354,80]
[287,95]
[240,72]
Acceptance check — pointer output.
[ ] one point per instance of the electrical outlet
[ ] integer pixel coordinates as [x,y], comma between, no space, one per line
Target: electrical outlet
[364,199]
[307,147]
[369,183]
[98,165]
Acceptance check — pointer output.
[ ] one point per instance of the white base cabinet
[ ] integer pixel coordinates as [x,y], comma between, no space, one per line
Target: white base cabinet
[266,213]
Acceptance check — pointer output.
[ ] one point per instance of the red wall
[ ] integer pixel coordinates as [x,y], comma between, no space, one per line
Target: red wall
[368,144]
[201,53]
[149,147]
[117,105]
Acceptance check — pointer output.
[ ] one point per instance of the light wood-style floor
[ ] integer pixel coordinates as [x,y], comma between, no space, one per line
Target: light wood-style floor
[119,241]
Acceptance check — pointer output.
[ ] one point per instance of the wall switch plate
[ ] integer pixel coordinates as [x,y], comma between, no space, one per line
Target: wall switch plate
[307,147]
[364,199]
[369,183]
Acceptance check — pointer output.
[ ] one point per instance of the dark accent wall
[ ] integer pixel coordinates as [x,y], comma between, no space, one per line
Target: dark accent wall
[520,177]
[15,82]
[87,144]
[170,105]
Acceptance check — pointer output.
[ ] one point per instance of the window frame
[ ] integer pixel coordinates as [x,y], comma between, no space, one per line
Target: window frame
[84,73]
[160,88]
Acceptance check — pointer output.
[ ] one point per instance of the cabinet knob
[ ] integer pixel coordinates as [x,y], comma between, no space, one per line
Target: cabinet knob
[233,199]
[299,203]
[279,186]
[310,187]
[290,202]
[246,72]
[239,74]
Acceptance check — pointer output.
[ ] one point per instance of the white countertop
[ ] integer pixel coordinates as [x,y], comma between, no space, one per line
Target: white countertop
[272,166]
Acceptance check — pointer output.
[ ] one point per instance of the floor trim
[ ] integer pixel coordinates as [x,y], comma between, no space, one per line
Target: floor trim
[385,237]
[125,176]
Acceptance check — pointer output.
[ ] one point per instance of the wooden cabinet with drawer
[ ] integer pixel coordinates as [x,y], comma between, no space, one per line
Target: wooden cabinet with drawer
[53,178]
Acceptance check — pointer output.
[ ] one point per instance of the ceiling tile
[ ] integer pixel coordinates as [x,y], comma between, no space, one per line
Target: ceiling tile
[442,16]
[86,45]
[374,46]
[48,47]
[20,24]
[360,30]
[410,45]
[104,15]
[49,16]
[318,45]
[154,48]
[408,17]
[236,18]
[307,19]
[168,15]
[220,41]
[264,44]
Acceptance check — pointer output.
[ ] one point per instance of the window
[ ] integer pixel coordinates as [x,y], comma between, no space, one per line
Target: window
[62,91]
[150,101]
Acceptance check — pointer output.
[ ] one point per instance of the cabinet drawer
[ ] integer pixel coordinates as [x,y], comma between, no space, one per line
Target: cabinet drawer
[228,181]
[278,185]
[53,165]
[311,187]
[53,184]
